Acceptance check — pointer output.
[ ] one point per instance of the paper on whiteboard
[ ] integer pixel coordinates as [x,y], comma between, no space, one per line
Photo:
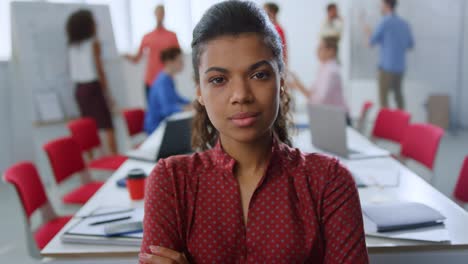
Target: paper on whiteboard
[48,105]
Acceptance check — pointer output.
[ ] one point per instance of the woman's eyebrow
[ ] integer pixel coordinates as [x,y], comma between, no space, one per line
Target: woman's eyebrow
[259,64]
[218,69]
[251,67]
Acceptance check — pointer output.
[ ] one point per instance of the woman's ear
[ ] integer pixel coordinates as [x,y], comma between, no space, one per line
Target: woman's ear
[199,96]
[282,84]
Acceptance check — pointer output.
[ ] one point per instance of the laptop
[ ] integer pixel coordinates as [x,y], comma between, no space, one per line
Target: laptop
[172,137]
[329,133]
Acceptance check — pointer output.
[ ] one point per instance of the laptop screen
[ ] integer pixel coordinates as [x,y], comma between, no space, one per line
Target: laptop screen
[177,138]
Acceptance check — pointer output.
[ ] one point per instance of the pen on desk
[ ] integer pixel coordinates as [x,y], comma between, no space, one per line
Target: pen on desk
[110,221]
[102,214]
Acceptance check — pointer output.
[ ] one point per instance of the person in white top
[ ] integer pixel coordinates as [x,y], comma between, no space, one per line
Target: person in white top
[333,25]
[87,72]
[327,87]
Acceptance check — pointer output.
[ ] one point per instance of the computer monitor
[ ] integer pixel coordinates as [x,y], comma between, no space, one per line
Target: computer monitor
[171,137]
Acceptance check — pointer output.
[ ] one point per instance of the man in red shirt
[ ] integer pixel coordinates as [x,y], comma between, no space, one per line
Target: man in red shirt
[272,10]
[153,43]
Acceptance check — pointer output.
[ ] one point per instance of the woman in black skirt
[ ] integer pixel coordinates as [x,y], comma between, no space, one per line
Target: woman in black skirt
[87,72]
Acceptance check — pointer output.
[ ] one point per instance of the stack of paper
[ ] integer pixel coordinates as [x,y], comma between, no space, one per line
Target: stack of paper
[404,220]
[91,229]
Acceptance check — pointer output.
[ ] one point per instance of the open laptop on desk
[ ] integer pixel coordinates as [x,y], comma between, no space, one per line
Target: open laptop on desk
[172,137]
[329,133]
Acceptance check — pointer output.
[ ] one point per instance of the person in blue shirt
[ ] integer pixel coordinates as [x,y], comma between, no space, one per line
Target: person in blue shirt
[393,36]
[163,97]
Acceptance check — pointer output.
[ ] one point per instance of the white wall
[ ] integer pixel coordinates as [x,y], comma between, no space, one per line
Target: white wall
[5,127]
[463,101]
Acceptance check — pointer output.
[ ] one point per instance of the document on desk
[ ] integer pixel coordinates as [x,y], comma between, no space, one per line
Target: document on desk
[375,172]
[91,229]
[437,234]
[404,220]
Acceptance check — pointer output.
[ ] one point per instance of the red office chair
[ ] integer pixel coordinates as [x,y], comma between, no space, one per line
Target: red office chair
[25,178]
[421,143]
[134,119]
[461,188]
[391,124]
[66,159]
[85,132]
[363,116]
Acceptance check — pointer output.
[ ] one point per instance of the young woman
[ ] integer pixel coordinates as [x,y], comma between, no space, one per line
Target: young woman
[163,99]
[87,72]
[248,197]
[327,88]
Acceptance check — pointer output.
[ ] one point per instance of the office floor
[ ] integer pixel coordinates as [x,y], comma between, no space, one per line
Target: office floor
[454,148]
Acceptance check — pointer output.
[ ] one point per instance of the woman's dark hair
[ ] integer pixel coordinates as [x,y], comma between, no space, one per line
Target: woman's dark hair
[274,8]
[170,54]
[232,18]
[80,26]
[331,6]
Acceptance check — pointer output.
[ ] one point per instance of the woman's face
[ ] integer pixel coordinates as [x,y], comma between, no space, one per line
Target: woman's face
[239,86]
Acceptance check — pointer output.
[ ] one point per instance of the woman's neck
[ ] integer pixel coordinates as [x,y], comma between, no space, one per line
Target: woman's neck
[251,156]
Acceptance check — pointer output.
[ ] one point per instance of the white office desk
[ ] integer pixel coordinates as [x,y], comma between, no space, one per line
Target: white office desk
[108,196]
[411,188]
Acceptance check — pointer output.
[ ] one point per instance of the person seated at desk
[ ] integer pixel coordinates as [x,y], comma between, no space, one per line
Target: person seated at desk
[163,97]
[246,196]
[327,88]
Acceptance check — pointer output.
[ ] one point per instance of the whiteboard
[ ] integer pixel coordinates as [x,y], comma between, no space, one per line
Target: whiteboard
[436,28]
[40,50]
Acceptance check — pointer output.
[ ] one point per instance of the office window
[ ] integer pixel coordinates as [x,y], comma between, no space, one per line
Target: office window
[131,20]
[5,35]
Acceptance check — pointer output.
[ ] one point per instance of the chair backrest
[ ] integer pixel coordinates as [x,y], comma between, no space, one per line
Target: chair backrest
[461,188]
[25,178]
[363,116]
[27,183]
[134,118]
[65,158]
[421,143]
[366,107]
[85,132]
[391,124]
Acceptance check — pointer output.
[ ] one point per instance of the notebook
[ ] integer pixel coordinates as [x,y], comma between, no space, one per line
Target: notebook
[396,216]
[84,232]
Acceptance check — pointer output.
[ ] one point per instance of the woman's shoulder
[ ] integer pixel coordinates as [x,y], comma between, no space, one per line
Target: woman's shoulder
[317,168]
[184,167]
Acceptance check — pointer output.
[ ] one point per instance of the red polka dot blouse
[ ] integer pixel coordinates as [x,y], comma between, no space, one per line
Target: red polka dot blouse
[305,209]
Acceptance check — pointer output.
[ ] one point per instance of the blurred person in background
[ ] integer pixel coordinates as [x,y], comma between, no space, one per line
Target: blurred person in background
[87,72]
[394,38]
[272,10]
[163,97]
[328,87]
[153,43]
[333,25]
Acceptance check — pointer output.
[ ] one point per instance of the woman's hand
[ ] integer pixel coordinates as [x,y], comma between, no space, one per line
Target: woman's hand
[163,255]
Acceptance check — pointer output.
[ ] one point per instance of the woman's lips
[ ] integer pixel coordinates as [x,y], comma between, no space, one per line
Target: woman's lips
[244,119]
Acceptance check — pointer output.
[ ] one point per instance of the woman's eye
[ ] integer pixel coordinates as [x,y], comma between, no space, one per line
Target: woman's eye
[260,75]
[217,80]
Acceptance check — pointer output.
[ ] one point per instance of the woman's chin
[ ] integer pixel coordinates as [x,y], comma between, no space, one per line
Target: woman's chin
[249,136]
